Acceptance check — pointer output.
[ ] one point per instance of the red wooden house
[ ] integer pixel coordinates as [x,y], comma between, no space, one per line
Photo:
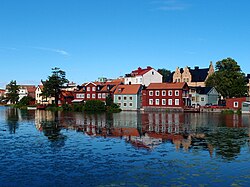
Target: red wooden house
[166,95]
[95,91]
[235,103]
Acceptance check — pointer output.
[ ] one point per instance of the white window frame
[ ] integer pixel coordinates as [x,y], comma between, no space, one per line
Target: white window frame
[163,101]
[157,102]
[236,104]
[177,102]
[93,96]
[99,95]
[170,93]
[176,93]
[151,93]
[151,102]
[163,92]
[124,104]
[103,95]
[88,89]
[88,96]
[79,96]
[93,89]
[130,104]
[157,93]
[170,102]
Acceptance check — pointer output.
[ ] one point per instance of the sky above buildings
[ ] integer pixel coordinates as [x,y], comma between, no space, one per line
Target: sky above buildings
[95,38]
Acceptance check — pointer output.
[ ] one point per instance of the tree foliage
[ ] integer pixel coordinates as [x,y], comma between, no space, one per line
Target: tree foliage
[228,79]
[12,92]
[94,105]
[54,83]
[165,74]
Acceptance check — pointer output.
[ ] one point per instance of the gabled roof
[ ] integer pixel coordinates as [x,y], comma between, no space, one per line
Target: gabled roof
[139,71]
[67,93]
[127,89]
[30,88]
[202,90]
[176,85]
[199,75]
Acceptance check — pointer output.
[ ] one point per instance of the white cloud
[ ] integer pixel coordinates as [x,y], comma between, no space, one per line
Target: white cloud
[59,51]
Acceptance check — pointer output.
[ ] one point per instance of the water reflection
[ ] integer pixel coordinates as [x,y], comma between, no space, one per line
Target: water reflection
[221,136]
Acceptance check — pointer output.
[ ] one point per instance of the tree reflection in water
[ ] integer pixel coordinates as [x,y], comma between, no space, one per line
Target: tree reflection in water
[51,129]
[12,119]
[227,142]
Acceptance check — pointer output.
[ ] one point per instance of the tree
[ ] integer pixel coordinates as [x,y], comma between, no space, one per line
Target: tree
[165,74]
[228,79]
[54,83]
[12,92]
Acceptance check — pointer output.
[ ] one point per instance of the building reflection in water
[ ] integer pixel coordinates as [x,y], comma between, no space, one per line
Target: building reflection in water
[148,130]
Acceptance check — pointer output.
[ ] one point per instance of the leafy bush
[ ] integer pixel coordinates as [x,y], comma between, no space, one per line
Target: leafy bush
[67,107]
[78,107]
[94,105]
[227,112]
[113,108]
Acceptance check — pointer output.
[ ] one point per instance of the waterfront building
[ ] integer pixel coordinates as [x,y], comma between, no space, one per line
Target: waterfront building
[200,96]
[143,76]
[193,77]
[166,95]
[40,99]
[128,97]
[26,90]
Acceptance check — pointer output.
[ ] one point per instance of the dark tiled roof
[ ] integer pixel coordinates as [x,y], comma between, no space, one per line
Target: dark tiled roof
[202,90]
[199,75]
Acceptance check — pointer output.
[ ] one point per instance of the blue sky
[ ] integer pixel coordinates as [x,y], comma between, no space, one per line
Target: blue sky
[93,38]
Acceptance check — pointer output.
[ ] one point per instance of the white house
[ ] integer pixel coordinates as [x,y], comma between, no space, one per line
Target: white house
[41,99]
[143,76]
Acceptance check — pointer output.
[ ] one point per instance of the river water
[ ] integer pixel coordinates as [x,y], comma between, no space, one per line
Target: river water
[42,148]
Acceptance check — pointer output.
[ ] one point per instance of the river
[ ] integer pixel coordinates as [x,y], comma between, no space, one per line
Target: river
[43,148]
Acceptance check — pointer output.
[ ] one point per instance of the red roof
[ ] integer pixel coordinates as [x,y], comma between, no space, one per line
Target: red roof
[177,85]
[127,89]
[67,93]
[141,71]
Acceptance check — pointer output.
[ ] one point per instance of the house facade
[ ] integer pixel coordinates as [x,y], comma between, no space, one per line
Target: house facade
[40,99]
[143,76]
[26,90]
[2,93]
[200,96]
[193,77]
[128,97]
[95,91]
[166,95]
[236,103]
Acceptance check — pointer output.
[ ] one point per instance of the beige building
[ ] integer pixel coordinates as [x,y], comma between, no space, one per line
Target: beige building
[193,77]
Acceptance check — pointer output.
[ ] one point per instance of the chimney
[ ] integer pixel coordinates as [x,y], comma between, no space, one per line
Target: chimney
[196,67]
[149,67]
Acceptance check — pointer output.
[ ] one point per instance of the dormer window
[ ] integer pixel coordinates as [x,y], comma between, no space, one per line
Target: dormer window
[153,72]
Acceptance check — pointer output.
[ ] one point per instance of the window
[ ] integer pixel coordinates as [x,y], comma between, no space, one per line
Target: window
[177,102]
[170,102]
[125,104]
[130,104]
[103,95]
[93,96]
[236,104]
[119,98]
[99,96]
[202,99]
[140,80]
[163,102]
[170,93]
[88,88]
[153,72]
[125,98]
[151,102]
[130,98]
[187,79]
[157,102]
[88,95]
[150,93]
[93,89]
[79,95]
[184,80]
[163,93]
[177,93]
[157,93]
[119,104]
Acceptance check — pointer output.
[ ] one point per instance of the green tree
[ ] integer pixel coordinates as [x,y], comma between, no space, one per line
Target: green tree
[12,92]
[94,106]
[165,74]
[228,79]
[54,83]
